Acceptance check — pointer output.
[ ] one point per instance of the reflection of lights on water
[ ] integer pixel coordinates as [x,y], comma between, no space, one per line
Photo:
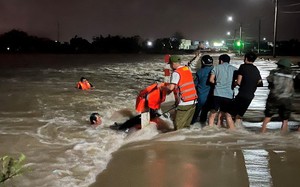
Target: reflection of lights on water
[257,166]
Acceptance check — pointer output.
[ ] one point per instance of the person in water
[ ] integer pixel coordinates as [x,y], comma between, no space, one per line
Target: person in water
[148,100]
[95,119]
[84,84]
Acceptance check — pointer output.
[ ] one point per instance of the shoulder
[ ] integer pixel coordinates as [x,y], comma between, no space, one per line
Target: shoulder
[233,67]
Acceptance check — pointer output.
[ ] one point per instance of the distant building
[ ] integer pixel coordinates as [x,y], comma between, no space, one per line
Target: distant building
[185,44]
[188,44]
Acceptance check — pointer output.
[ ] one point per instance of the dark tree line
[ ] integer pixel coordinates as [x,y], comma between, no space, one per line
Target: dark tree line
[16,41]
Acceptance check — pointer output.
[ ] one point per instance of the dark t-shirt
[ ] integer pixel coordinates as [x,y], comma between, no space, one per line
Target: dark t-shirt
[250,77]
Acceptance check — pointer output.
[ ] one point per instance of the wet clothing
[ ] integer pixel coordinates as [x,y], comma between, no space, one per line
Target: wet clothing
[239,106]
[84,85]
[221,104]
[183,116]
[205,93]
[281,85]
[150,97]
[224,76]
[250,78]
[278,106]
[133,122]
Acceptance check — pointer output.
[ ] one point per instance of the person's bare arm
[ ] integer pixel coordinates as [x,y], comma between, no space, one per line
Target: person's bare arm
[212,79]
[170,87]
[239,80]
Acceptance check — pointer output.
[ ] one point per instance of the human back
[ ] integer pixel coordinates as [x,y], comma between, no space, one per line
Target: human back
[223,79]
[281,83]
[251,77]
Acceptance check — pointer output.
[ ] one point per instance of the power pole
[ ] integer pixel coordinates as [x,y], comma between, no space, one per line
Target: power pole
[259,29]
[275,27]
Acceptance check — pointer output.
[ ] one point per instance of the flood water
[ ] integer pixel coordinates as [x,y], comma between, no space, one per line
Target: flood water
[44,117]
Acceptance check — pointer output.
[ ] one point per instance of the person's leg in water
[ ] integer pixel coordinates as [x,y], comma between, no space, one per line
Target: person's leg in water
[205,109]
[211,119]
[284,126]
[264,125]
[198,109]
[221,117]
[136,120]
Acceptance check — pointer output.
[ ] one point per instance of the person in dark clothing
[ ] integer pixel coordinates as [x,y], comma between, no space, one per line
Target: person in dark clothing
[133,122]
[248,79]
[281,85]
[204,89]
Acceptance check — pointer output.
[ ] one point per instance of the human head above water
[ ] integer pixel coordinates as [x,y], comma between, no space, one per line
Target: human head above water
[250,56]
[224,58]
[95,119]
[82,79]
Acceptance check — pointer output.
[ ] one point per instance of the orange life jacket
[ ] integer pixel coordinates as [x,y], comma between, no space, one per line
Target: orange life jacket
[83,85]
[150,97]
[186,88]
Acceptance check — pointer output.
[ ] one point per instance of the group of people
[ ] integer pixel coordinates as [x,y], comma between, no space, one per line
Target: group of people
[218,83]
[209,98]
[212,96]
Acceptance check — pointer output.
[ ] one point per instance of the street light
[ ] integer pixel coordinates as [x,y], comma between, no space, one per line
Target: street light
[230,19]
[228,33]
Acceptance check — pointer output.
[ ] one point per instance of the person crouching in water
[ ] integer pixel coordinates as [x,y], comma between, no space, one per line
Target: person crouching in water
[281,85]
[84,84]
[148,100]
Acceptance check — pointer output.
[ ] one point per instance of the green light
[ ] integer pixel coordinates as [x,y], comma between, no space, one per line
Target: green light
[239,43]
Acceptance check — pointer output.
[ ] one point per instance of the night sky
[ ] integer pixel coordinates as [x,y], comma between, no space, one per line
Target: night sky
[150,19]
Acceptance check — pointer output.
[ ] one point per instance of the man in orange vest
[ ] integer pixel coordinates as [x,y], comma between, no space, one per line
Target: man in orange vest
[183,84]
[84,84]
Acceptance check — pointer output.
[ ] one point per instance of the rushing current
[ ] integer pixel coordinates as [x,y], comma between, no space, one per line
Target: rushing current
[44,116]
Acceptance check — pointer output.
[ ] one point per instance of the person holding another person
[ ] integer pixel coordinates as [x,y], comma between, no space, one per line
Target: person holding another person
[204,89]
[248,79]
[186,95]
[222,77]
[281,85]
[84,84]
